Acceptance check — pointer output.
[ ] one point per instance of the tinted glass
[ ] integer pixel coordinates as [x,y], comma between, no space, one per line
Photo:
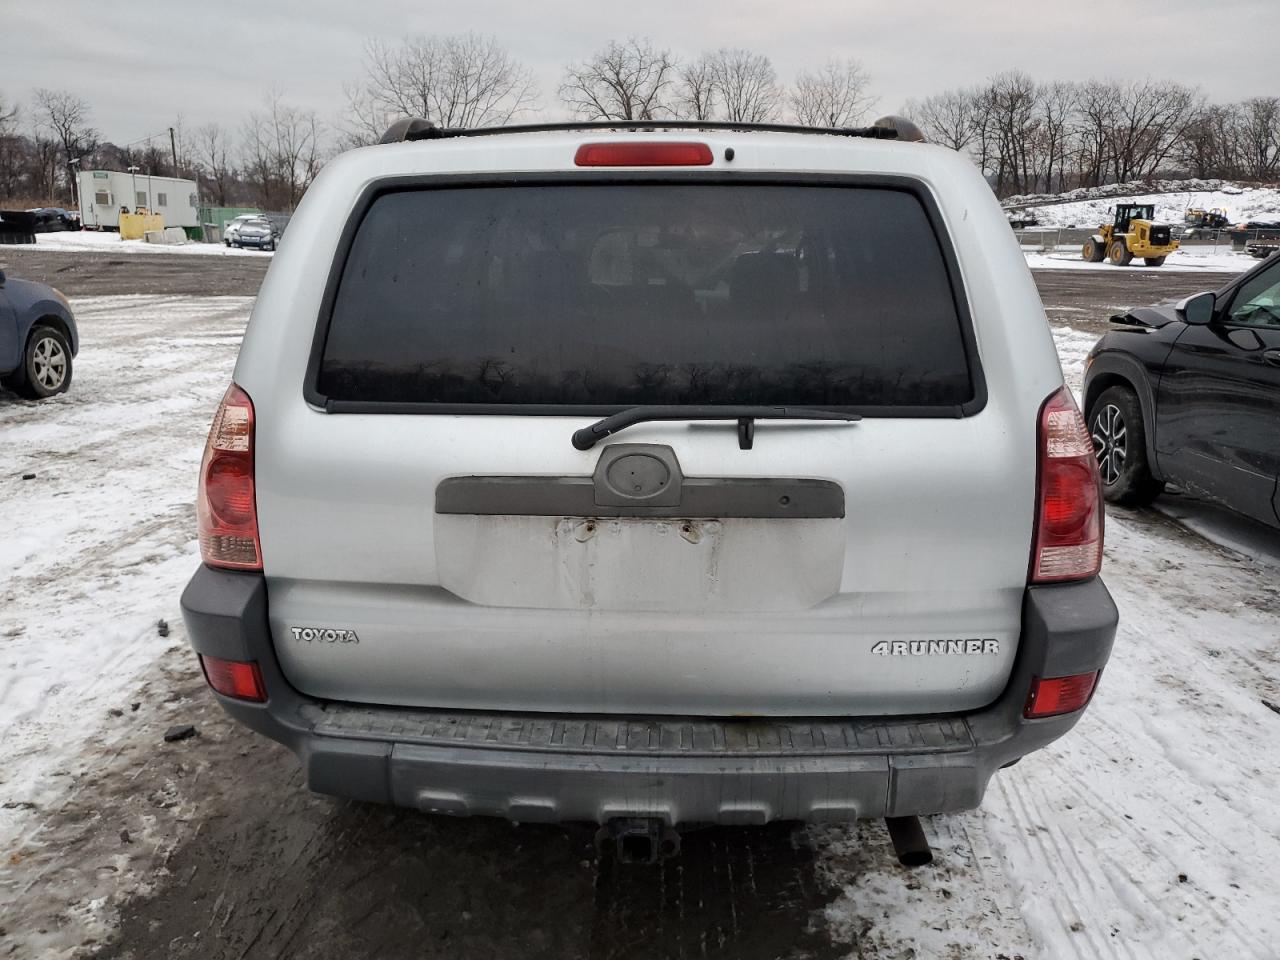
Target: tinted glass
[603,295]
[1257,303]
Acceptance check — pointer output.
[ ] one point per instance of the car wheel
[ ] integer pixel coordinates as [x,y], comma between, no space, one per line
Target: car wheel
[1120,254]
[1153,261]
[46,365]
[1120,444]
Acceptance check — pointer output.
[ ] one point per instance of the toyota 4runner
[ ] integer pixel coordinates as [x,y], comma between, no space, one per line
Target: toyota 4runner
[678,474]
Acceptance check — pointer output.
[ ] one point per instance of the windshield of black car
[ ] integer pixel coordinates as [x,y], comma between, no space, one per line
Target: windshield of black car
[625,294]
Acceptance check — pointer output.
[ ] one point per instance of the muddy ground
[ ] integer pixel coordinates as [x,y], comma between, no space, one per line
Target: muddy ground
[95,274]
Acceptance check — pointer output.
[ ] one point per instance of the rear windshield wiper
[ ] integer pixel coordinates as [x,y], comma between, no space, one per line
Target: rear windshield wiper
[588,437]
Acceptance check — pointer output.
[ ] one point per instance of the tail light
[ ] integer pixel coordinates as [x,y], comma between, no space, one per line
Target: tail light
[226,506]
[1068,541]
[660,154]
[1054,695]
[234,678]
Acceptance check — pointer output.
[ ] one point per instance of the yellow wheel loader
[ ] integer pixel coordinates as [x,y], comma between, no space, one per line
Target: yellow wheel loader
[1133,234]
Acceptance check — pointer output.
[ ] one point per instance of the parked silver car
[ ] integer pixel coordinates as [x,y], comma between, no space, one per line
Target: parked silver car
[258,233]
[702,474]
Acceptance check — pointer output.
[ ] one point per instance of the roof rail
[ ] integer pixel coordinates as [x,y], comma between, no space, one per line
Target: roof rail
[415,128]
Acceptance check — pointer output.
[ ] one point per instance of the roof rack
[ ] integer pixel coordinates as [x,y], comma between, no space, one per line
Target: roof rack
[415,128]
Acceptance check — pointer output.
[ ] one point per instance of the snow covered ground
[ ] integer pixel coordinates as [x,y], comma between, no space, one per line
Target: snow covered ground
[96,545]
[1152,830]
[1241,203]
[88,241]
[1186,259]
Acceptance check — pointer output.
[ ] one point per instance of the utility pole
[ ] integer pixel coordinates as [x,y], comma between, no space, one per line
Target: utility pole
[173,146]
[74,167]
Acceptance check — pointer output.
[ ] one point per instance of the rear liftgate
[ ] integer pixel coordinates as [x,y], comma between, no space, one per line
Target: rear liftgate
[639,535]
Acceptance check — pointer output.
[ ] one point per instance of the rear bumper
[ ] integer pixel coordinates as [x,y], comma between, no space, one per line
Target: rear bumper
[544,767]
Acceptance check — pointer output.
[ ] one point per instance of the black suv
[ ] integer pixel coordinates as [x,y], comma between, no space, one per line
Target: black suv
[54,219]
[1189,393]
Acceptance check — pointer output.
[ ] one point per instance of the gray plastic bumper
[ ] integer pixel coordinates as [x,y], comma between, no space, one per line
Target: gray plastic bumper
[543,767]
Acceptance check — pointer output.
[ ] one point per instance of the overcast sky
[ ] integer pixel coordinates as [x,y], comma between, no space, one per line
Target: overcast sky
[142,63]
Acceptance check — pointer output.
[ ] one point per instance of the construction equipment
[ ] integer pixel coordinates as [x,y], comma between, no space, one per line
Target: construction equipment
[1133,234]
[1201,219]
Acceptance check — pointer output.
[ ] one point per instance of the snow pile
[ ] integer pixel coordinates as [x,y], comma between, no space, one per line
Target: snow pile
[1241,203]
[95,241]
[1190,258]
[1126,189]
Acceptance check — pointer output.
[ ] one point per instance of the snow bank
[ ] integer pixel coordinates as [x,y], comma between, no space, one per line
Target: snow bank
[1186,259]
[1129,188]
[90,241]
[1241,203]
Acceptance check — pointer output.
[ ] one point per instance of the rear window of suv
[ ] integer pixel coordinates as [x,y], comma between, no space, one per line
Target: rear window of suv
[598,296]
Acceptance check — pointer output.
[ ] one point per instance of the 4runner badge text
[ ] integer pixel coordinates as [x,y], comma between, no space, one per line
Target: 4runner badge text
[324,635]
[925,648]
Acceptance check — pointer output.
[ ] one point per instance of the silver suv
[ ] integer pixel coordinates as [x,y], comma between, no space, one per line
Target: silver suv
[657,476]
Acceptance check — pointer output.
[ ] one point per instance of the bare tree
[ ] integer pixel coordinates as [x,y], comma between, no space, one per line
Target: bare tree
[67,117]
[213,152]
[1150,119]
[464,80]
[1097,106]
[1057,101]
[366,119]
[1259,137]
[950,118]
[12,152]
[746,85]
[624,81]
[835,95]
[281,152]
[695,97]
[1011,98]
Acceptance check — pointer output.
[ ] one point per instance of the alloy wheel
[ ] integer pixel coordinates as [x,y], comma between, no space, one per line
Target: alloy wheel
[49,363]
[1110,442]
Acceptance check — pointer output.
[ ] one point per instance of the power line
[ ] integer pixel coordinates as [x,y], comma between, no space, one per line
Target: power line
[126,146]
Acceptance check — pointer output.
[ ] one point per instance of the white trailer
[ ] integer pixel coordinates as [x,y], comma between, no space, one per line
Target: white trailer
[104,192]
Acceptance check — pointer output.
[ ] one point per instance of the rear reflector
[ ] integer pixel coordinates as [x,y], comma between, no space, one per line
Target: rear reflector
[1055,695]
[660,154]
[234,678]
[226,507]
[1068,539]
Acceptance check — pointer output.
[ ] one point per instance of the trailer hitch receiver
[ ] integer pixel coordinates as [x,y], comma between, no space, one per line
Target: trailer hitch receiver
[638,839]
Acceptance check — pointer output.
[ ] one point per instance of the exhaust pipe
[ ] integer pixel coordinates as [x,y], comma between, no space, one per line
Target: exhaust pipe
[909,841]
[638,839]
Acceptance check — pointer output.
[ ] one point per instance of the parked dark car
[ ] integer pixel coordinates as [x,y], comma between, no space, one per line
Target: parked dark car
[260,233]
[38,339]
[54,219]
[1189,393]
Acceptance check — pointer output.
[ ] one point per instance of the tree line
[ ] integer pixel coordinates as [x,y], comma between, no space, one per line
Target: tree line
[1026,135]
